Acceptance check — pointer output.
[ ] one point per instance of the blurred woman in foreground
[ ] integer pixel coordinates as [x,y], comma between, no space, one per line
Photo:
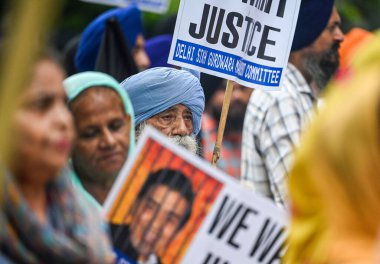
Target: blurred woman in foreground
[42,218]
[335,184]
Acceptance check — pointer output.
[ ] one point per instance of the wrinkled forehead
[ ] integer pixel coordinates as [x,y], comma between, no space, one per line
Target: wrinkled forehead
[178,108]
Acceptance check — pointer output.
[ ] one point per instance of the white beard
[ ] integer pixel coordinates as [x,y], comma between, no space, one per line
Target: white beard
[188,142]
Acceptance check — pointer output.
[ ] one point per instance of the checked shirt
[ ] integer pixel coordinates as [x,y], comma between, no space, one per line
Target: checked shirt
[272,128]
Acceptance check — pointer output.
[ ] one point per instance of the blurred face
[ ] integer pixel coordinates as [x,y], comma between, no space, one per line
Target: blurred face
[321,59]
[43,124]
[139,54]
[238,105]
[103,131]
[157,220]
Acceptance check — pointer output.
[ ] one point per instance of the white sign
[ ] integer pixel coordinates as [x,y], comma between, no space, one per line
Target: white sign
[227,222]
[247,41]
[154,6]
[241,228]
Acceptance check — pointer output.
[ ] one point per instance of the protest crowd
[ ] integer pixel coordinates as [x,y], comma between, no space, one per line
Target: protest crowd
[310,149]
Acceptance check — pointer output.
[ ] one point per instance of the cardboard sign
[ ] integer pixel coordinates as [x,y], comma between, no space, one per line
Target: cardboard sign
[247,41]
[154,6]
[171,206]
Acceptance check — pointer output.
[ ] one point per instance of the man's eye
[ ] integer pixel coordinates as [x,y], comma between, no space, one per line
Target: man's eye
[167,117]
[151,207]
[188,117]
[333,27]
[172,219]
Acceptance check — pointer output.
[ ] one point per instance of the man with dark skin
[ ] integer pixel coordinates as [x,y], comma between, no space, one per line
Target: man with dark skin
[275,120]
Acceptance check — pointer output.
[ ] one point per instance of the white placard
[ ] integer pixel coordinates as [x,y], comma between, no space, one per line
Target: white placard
[227,222]
[247,41]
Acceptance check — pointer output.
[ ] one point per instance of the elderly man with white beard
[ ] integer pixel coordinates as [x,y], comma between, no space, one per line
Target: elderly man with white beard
[170,100]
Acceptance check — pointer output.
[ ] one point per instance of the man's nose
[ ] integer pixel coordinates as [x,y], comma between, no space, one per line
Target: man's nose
[338,34]
[180,128]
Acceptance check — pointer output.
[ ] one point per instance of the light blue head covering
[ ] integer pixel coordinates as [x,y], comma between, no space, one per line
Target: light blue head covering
[75,85]
[157,89]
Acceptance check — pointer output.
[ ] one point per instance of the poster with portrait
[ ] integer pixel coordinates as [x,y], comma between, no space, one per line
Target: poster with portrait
[170,206]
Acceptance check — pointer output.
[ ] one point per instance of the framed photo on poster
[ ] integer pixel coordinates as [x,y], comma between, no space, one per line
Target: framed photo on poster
[170,206]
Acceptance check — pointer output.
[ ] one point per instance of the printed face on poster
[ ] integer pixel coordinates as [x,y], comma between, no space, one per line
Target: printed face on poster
[169,206]
[247,41]
[154,6]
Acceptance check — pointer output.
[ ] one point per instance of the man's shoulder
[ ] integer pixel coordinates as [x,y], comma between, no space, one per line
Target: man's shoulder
[267,108]
[288,91]
[264,100]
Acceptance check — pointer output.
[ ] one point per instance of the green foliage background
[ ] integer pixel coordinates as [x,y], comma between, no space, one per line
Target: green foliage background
[77,14]
[359,13]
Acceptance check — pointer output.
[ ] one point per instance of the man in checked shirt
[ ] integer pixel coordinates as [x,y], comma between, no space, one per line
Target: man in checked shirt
[274,120]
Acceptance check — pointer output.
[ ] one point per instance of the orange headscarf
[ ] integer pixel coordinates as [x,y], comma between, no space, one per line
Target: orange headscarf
[335,182]
[353,41]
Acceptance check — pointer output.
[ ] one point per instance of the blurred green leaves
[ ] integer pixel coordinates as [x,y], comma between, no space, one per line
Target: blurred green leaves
[77,15]
[359,13]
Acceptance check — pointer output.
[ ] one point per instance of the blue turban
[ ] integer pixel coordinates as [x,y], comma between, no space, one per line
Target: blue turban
[157,89]
[131,25]
[158,49]
[312,20]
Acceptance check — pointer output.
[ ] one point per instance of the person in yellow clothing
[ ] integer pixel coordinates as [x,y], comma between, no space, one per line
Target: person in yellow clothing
[334,184]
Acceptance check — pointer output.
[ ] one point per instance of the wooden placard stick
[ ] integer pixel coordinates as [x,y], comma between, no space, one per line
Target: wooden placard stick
[222,122]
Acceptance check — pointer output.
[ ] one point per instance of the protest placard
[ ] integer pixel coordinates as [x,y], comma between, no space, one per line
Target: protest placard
[154,6]
[170,206]
[247,41]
